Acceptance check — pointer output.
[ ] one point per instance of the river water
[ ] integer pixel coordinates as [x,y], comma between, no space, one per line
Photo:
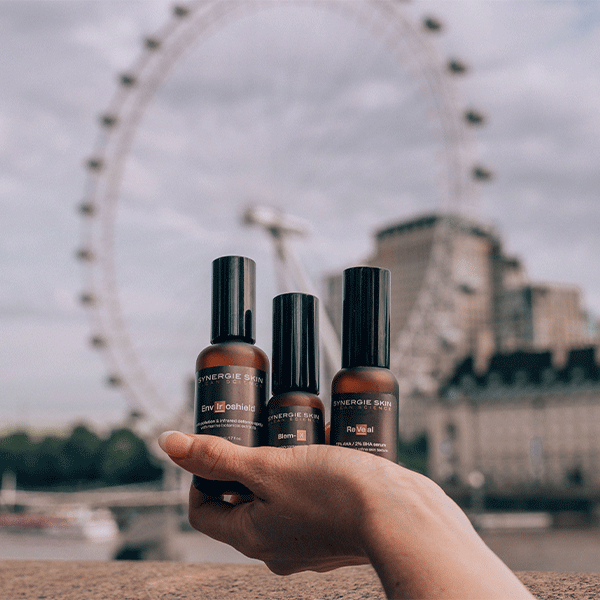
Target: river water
[190,546]
[526,550]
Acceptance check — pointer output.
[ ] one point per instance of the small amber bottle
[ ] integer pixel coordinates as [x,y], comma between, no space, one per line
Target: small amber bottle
[295,414]
[364,393]
[231,373]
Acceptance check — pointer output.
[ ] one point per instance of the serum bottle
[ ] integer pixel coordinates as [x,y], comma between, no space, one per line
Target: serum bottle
[364,393]
[295,414]
[231,373]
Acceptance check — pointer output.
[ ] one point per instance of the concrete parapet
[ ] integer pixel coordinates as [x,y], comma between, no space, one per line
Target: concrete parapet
[146,580]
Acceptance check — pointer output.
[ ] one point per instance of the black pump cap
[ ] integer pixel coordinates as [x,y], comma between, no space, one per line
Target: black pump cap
[366,318]
[233,299]
[295,361]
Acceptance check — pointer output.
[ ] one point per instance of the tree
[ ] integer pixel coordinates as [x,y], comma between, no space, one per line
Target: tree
[413,454]
[81,455]
[125,459]
[81,458]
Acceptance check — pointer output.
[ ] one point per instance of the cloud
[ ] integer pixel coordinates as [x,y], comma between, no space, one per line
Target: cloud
[304,109]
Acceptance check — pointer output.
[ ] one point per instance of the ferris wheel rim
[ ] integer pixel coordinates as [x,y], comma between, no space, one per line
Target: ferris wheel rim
[107,318]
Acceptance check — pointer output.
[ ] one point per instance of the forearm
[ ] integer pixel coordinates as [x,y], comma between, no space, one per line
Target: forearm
[422,546]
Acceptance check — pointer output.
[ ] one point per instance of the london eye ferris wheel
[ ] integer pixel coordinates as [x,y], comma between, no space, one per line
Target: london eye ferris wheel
[337,111]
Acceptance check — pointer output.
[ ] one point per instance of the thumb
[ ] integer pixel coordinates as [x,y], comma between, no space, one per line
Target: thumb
[207,456]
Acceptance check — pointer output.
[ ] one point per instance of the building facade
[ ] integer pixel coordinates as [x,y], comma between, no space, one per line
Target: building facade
[542,316]
[523,421]
[406,250]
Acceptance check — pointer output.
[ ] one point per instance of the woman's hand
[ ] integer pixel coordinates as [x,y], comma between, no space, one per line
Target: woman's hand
[320,507]
[305,512]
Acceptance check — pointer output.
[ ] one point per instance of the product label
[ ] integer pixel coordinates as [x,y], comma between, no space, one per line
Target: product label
[367,422]
[230,402]
[295,426]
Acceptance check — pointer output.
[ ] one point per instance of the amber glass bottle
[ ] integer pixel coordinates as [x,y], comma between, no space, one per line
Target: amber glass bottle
[231,373]
[364,393]
[295,414]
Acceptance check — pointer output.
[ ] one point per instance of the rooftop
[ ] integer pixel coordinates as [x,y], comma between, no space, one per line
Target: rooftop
[429,220]
[522,370]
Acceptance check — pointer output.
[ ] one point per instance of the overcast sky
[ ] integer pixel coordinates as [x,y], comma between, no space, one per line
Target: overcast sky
[324,115]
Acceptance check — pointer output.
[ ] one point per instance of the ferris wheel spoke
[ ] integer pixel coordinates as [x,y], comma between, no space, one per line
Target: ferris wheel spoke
[130,324]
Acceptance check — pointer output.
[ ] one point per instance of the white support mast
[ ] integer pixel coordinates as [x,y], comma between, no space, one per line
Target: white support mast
[291,276]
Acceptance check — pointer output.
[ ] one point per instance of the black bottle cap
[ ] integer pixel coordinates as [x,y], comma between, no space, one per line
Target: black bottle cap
[366,318]
[295,361]
[233,299]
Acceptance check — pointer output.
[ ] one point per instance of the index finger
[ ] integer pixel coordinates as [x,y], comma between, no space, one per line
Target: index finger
[225,522]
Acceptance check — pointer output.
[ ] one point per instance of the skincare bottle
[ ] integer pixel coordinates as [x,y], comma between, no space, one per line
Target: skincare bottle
[295,414]
[231,373]
[364,393]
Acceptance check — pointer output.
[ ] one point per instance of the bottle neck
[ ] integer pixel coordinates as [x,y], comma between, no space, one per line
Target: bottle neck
[224,339]
[277,391]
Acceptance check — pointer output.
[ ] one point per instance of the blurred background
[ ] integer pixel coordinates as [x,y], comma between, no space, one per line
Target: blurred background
[453,142]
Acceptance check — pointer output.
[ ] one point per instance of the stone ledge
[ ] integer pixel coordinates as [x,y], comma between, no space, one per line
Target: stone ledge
[86,580]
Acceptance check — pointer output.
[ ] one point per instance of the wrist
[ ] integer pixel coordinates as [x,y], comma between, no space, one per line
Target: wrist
[422,545]
[406,534]
[385,503]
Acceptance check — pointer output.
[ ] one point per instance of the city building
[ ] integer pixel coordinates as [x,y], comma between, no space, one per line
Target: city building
[542,316]
[407,250]
[450,263]
[522,421]
[451,277]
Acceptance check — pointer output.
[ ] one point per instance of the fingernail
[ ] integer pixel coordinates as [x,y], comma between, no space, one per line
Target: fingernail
[175,443]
